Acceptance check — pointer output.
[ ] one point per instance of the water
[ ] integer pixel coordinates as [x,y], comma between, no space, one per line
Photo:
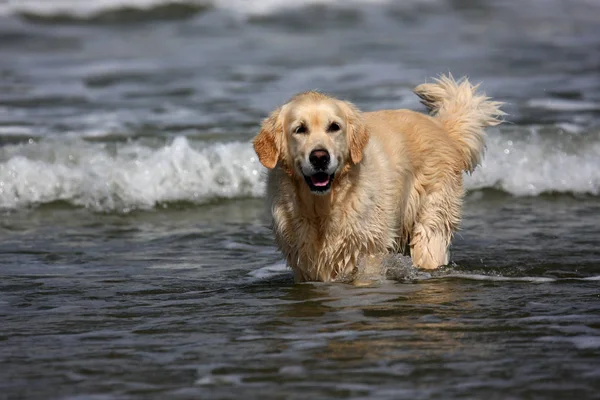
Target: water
[134,258]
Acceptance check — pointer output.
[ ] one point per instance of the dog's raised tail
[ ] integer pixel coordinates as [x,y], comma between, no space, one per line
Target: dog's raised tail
[464,113]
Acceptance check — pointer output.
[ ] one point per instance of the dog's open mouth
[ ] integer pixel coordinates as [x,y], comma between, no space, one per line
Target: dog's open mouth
[319,182]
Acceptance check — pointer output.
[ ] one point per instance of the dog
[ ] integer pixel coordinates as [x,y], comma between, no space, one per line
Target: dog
[344,184]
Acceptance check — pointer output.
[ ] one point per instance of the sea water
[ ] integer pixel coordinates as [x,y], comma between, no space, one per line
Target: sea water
[135,258]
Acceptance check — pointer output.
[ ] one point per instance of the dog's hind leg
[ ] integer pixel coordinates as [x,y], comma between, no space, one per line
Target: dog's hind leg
[438,218]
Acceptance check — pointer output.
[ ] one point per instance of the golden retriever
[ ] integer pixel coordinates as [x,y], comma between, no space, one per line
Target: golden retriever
[343,185]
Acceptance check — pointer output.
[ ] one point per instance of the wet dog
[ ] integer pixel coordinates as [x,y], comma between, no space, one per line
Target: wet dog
[343,184]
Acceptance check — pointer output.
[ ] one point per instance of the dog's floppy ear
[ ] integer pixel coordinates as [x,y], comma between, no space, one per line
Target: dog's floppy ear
[267,143]
[358,137]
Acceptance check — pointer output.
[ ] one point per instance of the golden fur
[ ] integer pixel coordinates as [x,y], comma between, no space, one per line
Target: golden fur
[397,184]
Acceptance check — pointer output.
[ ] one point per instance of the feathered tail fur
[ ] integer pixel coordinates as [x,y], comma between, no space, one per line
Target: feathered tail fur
[463,112]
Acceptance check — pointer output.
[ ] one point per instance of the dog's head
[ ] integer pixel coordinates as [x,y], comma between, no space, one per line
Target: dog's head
[314,137]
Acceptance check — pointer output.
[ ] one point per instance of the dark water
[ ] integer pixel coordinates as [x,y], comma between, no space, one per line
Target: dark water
[134,258]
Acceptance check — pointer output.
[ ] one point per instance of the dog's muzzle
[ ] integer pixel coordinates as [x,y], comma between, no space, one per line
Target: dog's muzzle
[319,179]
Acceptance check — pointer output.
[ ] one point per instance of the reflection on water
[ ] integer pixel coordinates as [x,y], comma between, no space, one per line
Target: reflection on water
[385,322]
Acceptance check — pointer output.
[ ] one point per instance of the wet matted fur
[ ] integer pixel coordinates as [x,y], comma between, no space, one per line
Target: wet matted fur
[393,181]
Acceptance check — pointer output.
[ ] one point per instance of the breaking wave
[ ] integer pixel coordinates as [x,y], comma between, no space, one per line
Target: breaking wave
[108,177]
[133,175]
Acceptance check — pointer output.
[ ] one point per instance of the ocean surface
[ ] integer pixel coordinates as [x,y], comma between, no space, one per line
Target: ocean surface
[135,262]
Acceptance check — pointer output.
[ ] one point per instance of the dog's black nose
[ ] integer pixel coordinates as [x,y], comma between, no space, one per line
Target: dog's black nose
[319,159]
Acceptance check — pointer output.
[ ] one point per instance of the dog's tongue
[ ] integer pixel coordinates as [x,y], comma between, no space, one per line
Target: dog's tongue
[320,179]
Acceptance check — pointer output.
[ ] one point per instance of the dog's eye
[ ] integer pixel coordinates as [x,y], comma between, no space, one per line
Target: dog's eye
[333,127]
[300,129]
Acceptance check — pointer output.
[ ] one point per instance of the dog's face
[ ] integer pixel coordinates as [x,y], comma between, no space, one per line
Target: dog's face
[314,137]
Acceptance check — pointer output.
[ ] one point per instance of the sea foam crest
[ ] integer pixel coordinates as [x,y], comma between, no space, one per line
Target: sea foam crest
[537,163]
[127,176]
[124,176]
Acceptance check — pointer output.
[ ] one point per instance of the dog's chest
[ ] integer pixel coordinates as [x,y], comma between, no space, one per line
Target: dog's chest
[325,246]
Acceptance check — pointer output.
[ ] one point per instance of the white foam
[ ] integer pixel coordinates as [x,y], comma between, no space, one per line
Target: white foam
[563,104]
[124,176]
[496,278]
[218,380]
[270,271]
[591,278]
[269,6]
[531,279]
[83,9]
[537,163]
[128,176]
[77,8]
